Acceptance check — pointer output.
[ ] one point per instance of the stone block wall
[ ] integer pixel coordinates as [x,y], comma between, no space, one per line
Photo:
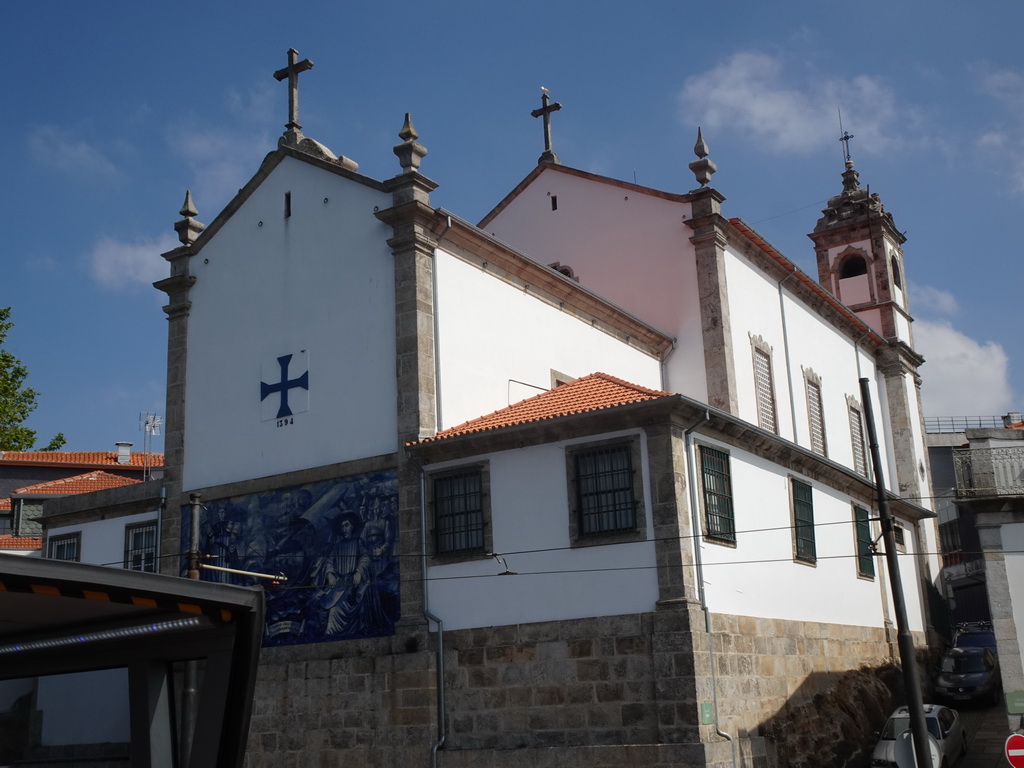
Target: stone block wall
[609,691]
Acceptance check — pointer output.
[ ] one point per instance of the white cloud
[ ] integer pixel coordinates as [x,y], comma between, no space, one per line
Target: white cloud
[1005,148]
[118,264]
[58,149]
[793,113]
[932,302]
[961,376]
[220,161]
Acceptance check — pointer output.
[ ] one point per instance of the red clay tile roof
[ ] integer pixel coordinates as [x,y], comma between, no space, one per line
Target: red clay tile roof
[7,541]
[589,393]
[85,458]
[90,481]
[1018,425]
[5,505]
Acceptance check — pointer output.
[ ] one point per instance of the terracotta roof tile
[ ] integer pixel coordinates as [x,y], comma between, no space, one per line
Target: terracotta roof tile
[86,458]
[589,393]
[87,483]
[8,541]
[1018,425]
[5,505]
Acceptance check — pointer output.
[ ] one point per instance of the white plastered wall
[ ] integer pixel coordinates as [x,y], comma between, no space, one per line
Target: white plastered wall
[530,525]
[800,340]
[629,246]
[498,344]
[759,575]
[103,540]
[318,285]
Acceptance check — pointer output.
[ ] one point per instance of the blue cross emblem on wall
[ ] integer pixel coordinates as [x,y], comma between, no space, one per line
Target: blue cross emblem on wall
[283,386]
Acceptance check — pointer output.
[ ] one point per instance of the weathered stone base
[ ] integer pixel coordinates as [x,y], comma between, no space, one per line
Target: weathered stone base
[649,689]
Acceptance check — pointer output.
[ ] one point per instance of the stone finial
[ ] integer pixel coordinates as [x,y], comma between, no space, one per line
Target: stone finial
[410,152]
[702,167]
[188,228]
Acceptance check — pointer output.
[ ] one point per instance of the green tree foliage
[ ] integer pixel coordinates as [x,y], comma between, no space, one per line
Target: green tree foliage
[16,400]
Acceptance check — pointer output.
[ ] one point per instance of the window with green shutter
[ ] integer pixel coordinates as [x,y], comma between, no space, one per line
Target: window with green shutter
[865,552]
[803,522]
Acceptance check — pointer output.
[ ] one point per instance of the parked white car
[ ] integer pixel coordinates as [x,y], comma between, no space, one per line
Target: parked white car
[943,725]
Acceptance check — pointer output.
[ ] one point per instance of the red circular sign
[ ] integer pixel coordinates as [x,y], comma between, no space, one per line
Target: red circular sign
[1015,750]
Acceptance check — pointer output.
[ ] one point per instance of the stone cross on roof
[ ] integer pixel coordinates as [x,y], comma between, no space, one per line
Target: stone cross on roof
[545,110]
[292,73]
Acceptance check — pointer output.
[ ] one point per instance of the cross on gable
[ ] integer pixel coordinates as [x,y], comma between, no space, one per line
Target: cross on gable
[546,108]
[292,73]
[283,386]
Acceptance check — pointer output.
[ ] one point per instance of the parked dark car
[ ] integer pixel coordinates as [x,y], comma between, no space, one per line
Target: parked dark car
[969,674]
[975,634]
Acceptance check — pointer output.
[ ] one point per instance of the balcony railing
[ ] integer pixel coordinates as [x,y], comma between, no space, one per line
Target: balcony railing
[988,472]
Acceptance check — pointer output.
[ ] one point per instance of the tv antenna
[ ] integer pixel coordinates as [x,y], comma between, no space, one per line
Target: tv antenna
[149,424]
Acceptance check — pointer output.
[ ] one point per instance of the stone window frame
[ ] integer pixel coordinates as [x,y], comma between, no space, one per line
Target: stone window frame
[860,459]
[638,531]
[801,541]
[812,381]
[482,552]
[55,545]
[764,385]
[723,538]
[861,525]
[130,551]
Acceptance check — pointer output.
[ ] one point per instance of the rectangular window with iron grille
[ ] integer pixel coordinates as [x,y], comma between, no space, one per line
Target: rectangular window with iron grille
[718,513]
[803,522]
[458,501]
[816,418]
[67,546]
[140,547]
[865,552]
[604,489]
[765,384]
[860,459]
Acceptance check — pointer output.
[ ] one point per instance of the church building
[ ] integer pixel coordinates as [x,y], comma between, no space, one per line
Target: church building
[585,484]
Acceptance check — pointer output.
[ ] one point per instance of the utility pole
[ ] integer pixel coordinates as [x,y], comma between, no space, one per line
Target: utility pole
[908,661]
[190,687]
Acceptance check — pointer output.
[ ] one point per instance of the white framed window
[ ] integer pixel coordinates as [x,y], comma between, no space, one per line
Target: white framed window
[140,547]
[67,546]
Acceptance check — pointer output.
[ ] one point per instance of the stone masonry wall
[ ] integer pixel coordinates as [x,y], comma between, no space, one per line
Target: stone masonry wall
[611,691]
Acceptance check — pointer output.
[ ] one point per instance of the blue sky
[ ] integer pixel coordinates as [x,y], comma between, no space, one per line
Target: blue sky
[112,111]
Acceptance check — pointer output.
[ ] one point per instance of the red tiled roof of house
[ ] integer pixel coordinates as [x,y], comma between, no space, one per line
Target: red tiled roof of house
[594,392]
[5,505]
[1018,425]
[8,541]
[87,483]
[138,459]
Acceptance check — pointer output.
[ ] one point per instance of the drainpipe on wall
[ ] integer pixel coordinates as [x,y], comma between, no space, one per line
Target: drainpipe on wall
[785,350]
[441,724]
[699,570]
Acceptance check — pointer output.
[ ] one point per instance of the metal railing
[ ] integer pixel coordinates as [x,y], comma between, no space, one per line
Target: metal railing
[944,424]
[986,472]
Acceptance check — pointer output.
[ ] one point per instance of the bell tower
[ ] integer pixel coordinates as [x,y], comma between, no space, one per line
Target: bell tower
[860,260]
